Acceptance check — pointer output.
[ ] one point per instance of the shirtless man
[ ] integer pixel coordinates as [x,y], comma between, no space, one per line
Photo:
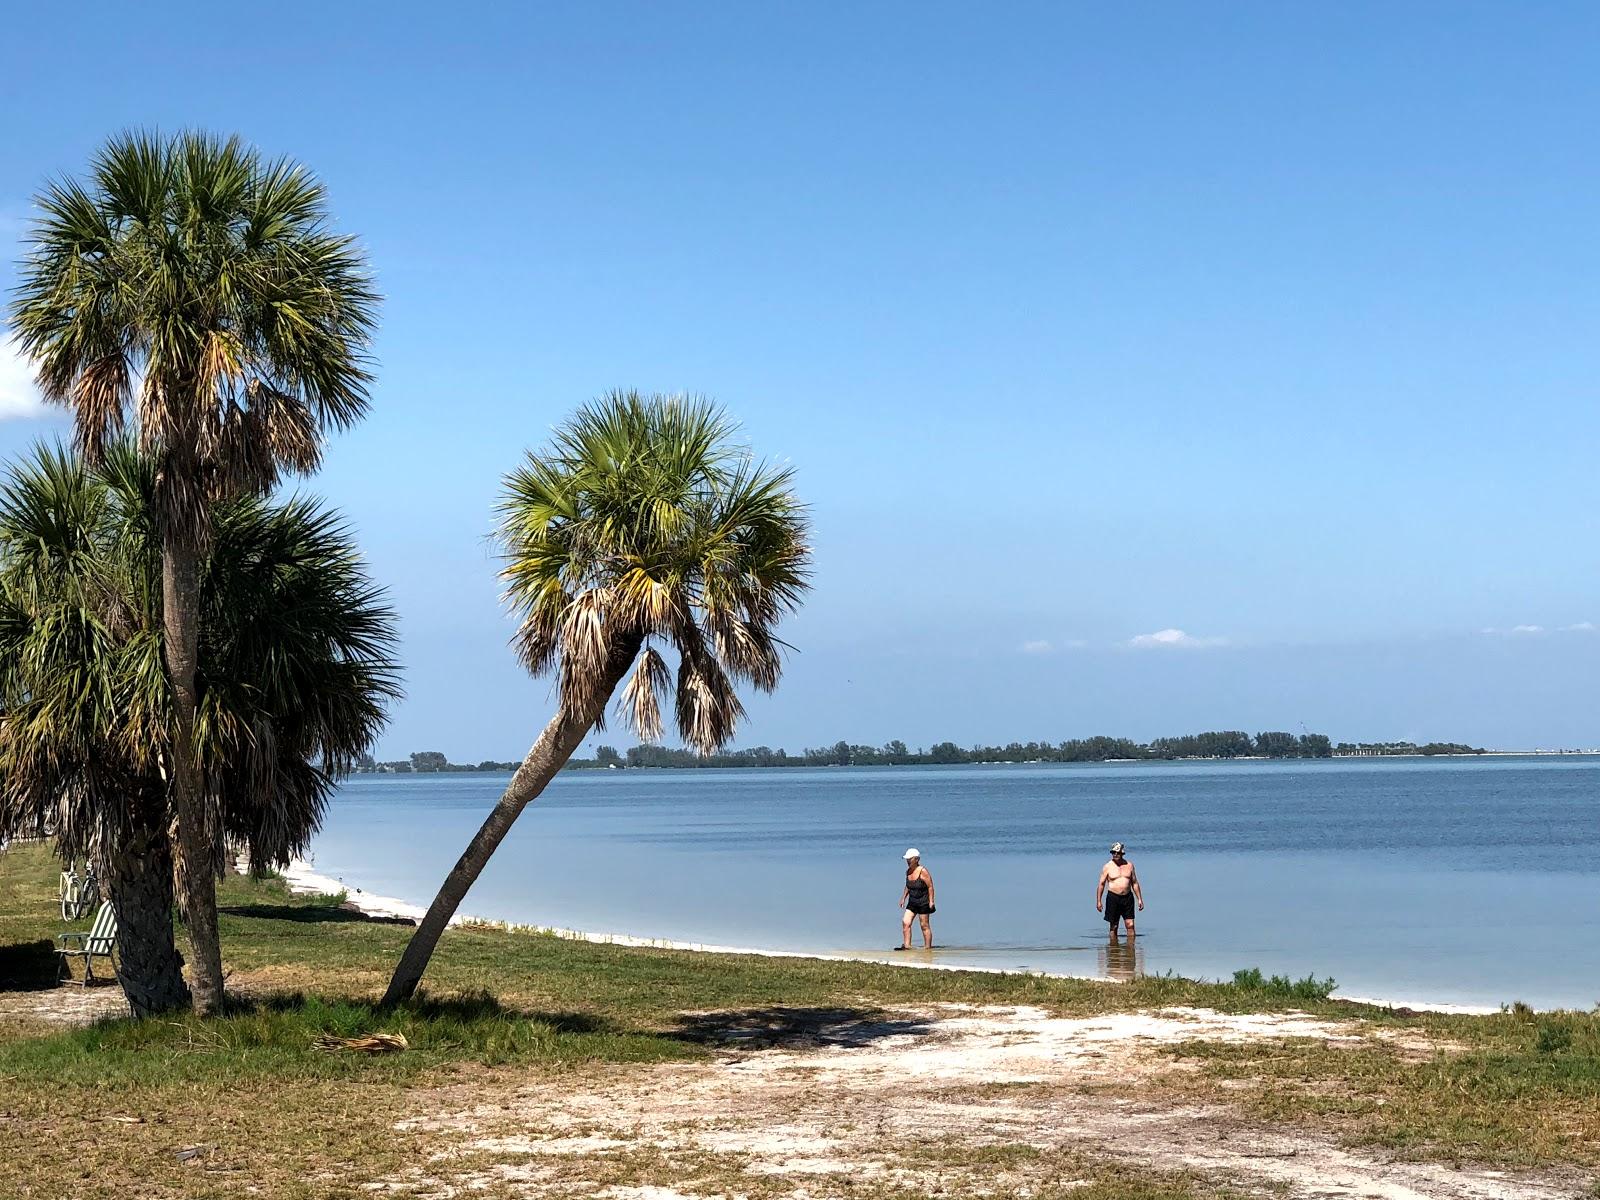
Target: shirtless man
[1118,888]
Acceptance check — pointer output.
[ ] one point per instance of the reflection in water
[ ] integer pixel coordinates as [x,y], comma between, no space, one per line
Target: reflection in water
[1121,960]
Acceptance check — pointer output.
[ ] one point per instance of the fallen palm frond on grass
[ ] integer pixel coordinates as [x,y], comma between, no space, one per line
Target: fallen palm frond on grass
[372,1043]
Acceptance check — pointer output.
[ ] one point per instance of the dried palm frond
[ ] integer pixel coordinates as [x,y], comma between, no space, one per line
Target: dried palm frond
[372,1043]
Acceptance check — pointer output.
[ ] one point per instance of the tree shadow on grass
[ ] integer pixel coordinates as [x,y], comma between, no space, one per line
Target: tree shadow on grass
[467,1009]
[780,1027]
[311,914]
[28,966]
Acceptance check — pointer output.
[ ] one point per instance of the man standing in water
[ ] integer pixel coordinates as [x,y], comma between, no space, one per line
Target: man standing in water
[1119,888]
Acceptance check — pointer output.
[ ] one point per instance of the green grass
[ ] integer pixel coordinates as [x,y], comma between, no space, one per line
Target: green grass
[1308,989]
[273,1038]
[1516,1088]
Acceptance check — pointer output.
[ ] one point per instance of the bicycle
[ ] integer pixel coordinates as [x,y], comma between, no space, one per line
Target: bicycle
[79,893]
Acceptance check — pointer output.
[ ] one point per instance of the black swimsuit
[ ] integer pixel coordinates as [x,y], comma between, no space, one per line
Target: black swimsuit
[917,896]
[1119,906]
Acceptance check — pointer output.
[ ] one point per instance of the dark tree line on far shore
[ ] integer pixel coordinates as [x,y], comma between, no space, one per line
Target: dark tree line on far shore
[1212,745]
[1216,744]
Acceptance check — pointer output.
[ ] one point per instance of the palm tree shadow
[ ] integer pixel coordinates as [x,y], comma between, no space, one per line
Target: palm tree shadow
[28,966]
[310,914]
[781,1027]
[466,1009]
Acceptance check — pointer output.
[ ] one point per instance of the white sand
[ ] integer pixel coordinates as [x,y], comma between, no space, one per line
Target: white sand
[303,880]
[829,1111]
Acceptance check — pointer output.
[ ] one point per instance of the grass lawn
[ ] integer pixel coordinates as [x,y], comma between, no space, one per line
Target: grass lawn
[180,1107]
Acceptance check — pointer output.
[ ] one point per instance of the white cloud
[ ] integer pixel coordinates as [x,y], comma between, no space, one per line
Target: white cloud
[19,395]
[1534,630]
[1039,646]
[1172,638]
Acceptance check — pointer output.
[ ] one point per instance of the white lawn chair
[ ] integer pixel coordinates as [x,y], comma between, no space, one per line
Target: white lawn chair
[99,942]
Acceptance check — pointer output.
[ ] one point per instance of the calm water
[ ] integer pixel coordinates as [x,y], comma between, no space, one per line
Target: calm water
[1464,881]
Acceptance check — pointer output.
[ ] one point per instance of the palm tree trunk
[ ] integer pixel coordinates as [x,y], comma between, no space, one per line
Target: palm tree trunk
[138,875]
[196,874]
[549,754]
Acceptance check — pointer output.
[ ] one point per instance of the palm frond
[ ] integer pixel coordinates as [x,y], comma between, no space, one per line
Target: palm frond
[644,518]
[296,663]
[193,290]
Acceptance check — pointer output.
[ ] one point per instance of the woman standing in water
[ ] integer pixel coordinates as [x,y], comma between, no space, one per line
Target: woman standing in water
[916,900]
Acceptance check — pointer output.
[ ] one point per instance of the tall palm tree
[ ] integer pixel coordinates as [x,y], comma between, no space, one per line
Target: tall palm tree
[643,525]
[192,289]
[294,660]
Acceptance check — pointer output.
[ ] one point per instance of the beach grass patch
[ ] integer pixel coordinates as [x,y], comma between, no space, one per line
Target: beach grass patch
[1508,1089]
[1281,986]
[276,1036]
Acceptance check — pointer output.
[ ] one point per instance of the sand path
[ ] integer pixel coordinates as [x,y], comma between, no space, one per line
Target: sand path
[1008,1101]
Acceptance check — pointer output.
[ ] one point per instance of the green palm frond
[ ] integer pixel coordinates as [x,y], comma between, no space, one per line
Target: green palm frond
[644,522]
[192,289]
[296,667]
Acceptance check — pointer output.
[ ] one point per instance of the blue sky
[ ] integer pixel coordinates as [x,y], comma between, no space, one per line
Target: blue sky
[1270,324]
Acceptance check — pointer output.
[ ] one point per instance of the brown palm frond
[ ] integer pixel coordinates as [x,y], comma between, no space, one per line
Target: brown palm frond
[708,705]
[648,603]
[650,680]
[585,650]
[101,394]
[748,651]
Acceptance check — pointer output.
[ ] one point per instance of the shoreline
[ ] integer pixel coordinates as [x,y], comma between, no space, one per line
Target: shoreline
[303,879]
[1593,752]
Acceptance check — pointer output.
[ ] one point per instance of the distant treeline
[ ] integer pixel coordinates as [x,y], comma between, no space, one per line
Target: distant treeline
[1231,743]
[1378,749]
[1228,743]
[427,762]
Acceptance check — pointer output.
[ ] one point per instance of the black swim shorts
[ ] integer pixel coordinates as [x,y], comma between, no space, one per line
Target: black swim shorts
[1119,908]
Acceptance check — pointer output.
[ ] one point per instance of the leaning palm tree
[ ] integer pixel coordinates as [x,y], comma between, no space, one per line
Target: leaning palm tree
[642,526]
[294,669]
[193,290]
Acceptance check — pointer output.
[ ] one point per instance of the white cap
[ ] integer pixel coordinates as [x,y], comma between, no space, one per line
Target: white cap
[912,853]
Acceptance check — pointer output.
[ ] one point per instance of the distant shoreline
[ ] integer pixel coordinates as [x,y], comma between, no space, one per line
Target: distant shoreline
[1253,758]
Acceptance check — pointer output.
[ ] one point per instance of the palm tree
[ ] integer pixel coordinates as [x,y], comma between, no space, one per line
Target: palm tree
[294,668]
[642,525]
[192,290]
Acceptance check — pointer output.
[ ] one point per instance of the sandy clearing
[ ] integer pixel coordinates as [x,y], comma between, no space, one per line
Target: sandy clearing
[68,1004]
[819,1118]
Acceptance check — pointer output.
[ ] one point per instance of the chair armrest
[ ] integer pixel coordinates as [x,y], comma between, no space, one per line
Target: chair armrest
[62,940]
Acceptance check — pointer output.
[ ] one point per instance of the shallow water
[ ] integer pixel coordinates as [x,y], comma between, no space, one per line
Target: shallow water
[1470,881]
